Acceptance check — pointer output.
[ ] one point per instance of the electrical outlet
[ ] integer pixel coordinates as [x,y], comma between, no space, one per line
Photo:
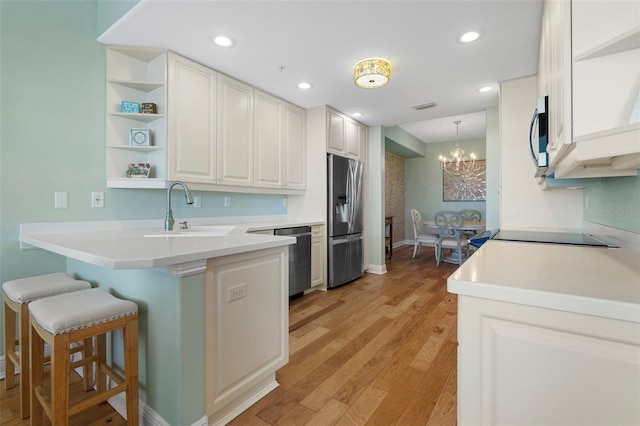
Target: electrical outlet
[227,201]
[97,200]
[61,200]
[236,292]
[197,202]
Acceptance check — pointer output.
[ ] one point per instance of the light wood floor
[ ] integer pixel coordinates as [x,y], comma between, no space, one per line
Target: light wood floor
[378,351]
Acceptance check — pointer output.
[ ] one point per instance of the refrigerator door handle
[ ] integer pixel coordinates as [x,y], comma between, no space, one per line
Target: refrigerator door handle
[346,239]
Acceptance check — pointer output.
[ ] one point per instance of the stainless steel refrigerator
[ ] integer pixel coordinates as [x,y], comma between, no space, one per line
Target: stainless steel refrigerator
[345,219]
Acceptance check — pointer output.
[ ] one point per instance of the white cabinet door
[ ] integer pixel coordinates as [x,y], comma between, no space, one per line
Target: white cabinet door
[558,77]
[520,364]
[235,132]
[335,132]
[295,147]
[352,138]
[317,255]
[268,141]
[192,121]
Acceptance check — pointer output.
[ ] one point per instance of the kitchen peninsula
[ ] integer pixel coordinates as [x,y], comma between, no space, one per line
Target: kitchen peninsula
[213,307]
[548,334]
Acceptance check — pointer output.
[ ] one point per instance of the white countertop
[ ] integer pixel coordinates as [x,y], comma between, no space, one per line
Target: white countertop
[119,245]
[596,281]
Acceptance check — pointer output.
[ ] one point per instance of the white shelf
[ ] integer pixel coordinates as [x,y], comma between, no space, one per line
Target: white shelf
[137,116]
[148,183]
[137,148]
[628,40]
[143,86]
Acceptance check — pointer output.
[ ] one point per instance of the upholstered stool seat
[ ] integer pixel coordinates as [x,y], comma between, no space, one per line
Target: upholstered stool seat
[62,319]
[16,295]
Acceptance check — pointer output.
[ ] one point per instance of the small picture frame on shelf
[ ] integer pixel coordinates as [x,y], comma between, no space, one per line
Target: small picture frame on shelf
[148,108]
[138,170]
[130,107]
[635,111]
[139,137]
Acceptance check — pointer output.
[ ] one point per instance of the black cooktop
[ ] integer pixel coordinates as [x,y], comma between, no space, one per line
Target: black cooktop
[575,239]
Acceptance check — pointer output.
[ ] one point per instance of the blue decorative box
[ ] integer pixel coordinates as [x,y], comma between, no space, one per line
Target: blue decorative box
[130,107]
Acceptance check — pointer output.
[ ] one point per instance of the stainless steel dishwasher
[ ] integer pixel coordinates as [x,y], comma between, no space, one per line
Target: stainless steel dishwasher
[299,259]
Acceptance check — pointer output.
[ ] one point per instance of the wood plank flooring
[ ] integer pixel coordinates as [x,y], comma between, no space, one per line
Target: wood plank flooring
[378,351]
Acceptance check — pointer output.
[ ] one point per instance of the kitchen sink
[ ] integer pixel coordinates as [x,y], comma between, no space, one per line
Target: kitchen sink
[196,231]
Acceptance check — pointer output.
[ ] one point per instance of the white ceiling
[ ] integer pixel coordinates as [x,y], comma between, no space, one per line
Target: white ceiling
[321,41]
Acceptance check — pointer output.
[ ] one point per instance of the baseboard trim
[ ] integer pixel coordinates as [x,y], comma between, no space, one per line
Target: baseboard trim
[377,269]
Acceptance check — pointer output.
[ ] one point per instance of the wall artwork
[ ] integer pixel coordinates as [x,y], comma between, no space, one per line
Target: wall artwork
[464,181]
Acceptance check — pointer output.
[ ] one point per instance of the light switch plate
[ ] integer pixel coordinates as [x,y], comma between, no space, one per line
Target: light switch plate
[61,200]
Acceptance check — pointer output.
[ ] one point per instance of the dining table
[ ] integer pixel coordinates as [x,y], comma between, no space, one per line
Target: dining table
[469,225]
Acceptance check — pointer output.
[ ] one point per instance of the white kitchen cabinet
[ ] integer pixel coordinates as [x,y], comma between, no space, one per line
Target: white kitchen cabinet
[522,364]
[344,135]
[590,68]
[246,336]
[554,74]
[295,147]
[192,123]
[317,256]
[135,75]
[235,132]
[210,131]
[280,143]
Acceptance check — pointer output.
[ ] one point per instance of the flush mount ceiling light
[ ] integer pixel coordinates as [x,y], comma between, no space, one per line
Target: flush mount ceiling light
[372,73]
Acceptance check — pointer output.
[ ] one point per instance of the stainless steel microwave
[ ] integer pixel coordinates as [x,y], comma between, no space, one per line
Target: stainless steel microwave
[540,132]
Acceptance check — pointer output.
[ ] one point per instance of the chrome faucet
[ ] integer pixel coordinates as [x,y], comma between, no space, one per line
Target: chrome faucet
[168,220]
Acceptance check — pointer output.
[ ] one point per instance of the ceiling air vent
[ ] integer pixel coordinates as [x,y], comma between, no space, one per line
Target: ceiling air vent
[424,106]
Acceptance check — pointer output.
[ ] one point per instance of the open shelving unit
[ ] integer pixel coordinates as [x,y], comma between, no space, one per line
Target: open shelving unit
[136,75]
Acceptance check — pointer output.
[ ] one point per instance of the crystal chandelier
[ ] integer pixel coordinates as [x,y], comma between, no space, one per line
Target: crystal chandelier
[457,162]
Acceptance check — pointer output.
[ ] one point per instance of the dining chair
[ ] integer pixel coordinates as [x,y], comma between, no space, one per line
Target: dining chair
[421,238]
[471,214]
[448,222]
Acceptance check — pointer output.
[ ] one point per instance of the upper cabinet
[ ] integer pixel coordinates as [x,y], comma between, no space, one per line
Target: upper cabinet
[209,130]
[345,136]
[235,132]
[590,68]
[280,147]
[192,127]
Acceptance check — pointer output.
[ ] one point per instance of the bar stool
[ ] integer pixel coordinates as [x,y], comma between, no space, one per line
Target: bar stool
[66,318]
[16,295]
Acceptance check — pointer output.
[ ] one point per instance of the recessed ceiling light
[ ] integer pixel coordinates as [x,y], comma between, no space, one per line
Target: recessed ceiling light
[469,37]
[304,85]
[485,89]
[356,114]
[223,41]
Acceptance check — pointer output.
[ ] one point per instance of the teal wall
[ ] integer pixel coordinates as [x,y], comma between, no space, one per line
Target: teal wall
[109,11]
[52,138]
[423,181]
[615,203]
[170,328]
[400,142]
